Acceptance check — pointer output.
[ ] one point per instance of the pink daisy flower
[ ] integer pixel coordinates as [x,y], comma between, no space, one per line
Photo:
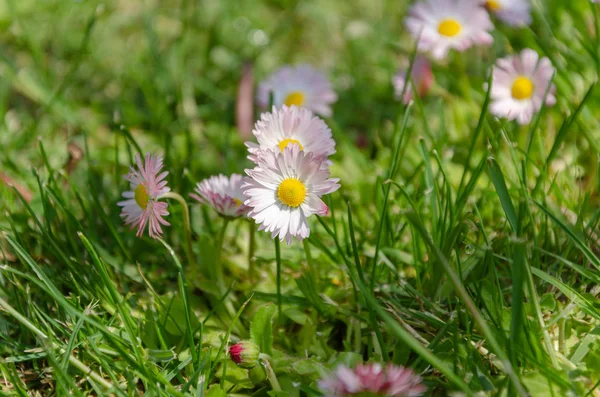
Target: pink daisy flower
[300,85]
[372,379]
[421,75]
[141,206]
[223,194]
[292,126]
[441,25]
[284,189]
[519,84]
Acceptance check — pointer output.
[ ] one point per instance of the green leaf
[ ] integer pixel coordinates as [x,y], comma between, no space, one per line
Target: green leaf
[261,328]
[236,375]
[500,185]
[216,391]
[310,367]
[548,302]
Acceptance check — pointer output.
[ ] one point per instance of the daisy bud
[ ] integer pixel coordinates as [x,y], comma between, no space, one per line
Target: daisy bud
[244,354]
[421,75]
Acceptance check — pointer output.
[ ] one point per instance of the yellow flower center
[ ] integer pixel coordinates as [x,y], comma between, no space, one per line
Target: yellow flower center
[238,203]
[449,27]
[289,141]
[141,196]
[294,98]
[522,88]
[291,192]
[493,5]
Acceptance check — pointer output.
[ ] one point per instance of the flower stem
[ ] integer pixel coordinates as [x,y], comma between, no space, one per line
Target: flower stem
[220,278]
[269,370]
[251,247]
[188,231]
[278,260]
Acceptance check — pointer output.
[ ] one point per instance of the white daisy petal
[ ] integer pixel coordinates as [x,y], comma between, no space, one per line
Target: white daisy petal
[284,189]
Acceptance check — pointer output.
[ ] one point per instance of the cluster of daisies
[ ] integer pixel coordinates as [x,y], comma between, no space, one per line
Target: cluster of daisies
[521,84]
[291,165]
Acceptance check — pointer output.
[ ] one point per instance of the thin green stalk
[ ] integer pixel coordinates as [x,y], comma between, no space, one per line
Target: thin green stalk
[187,225]
[251,248]
[270,373]
[278,260]
[183,291]
[220,277]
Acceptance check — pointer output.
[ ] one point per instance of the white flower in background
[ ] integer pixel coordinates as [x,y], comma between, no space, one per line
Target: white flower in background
[292,126]
[512,12]
[222,193]
[284,189]
[300,85]
[422,78]
[519,84]
[441,25]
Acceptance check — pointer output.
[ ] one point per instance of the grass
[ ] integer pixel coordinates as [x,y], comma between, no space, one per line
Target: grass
[460,245]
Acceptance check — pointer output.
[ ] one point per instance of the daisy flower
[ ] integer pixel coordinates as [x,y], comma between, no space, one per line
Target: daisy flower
[141,206]
[421,76]
[291,126]
[441,25]
[300,85]
[512,12]
[223,194]
[284,189]
[372,379]
[519,84]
